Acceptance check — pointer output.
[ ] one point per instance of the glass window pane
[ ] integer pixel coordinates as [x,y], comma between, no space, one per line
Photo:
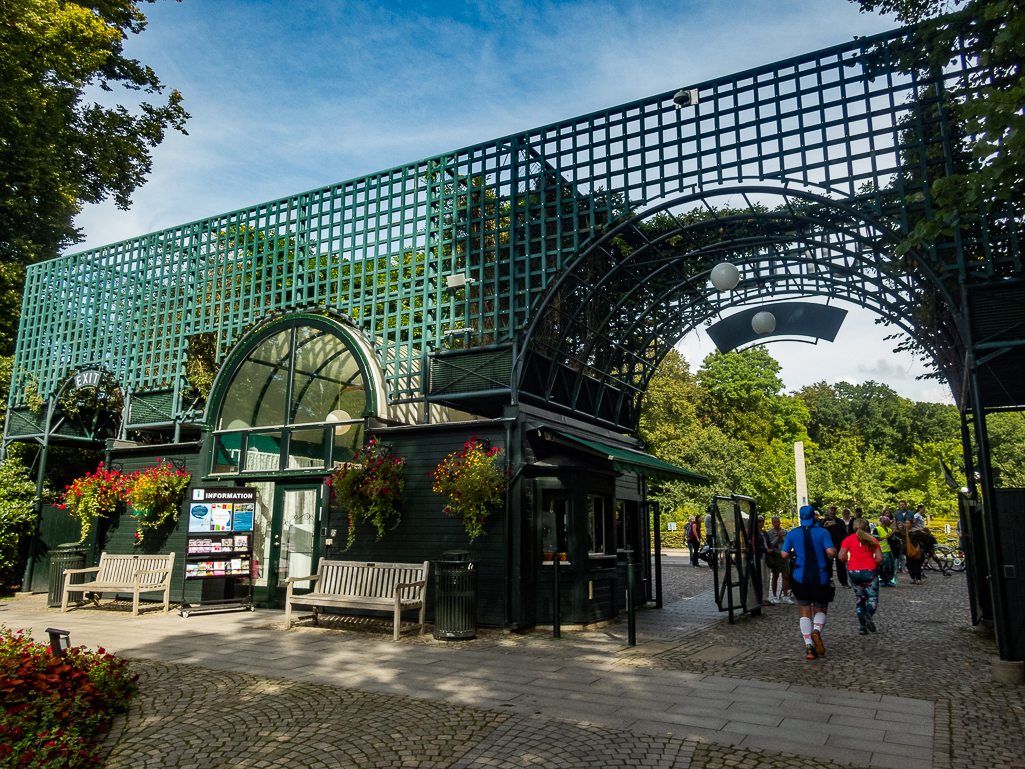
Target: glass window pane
[263,452]
[262,529]
[257,393]
[348,440]
[306,449]
[553,522]
[595,524]
[299,514]
[227,453]
[328,385]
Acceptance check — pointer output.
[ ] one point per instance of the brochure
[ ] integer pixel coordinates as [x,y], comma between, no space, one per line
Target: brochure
[220,516]
[244,512]
[199,517]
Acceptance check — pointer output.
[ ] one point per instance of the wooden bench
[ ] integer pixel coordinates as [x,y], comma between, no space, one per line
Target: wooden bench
[354,585]
[125,574]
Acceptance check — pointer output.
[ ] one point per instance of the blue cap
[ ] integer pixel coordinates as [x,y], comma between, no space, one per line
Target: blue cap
[807,513]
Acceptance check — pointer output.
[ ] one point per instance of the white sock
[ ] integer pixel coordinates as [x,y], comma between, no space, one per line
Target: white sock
[806,629]
[820,620]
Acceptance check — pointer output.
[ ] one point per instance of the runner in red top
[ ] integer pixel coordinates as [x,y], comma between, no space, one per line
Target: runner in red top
[862,554]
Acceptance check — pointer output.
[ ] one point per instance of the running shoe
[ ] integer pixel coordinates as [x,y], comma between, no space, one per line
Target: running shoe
[820,648]
[870,625]
[809,652]
[786,599]
[862,631]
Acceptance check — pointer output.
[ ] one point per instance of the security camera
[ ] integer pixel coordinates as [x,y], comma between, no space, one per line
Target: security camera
[685,98]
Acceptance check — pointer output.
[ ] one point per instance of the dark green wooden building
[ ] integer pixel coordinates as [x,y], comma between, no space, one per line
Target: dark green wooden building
[524,290]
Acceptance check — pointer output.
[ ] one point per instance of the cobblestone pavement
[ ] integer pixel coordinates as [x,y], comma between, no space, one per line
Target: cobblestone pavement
[185,716]
[925,649]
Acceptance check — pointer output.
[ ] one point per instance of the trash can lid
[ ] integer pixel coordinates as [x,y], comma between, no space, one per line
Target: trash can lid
[457,555]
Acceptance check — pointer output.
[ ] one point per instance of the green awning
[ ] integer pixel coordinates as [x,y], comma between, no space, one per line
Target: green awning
[632,461]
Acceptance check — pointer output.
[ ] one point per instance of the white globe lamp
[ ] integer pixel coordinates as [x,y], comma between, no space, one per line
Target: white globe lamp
[725,276]
[763,323]
[339,416]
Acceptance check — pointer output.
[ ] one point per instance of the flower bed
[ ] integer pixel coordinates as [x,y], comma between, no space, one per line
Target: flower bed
[57,710]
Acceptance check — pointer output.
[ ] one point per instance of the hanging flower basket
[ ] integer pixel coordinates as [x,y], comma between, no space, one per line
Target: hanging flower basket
[473,484]
[369,488]
[155,496]
[95,495]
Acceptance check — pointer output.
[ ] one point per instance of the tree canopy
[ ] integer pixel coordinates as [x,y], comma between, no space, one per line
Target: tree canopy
[58,149]
[865,445]
[987,104]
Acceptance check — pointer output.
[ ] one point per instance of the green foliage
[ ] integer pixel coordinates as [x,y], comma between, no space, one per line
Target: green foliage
[155,496]
[669,422]
[986,108]
[865,445]
[58,151]
[734,387]
[473,483]
[95,495]
[369,487]
[56,711]
[1007,449]
[201,363]
[17,514]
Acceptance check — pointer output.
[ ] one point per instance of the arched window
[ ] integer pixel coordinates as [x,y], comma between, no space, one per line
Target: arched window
[295,399]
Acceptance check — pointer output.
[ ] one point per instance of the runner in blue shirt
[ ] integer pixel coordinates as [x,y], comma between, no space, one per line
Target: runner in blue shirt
[812,549]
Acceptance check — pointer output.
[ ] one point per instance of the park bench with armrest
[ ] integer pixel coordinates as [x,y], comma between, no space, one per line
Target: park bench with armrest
[394,587]
[133,574]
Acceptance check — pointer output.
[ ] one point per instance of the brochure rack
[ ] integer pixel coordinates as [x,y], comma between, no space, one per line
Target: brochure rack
[219,547]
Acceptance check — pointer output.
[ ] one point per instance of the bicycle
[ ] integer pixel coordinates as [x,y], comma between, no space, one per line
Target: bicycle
[944,559]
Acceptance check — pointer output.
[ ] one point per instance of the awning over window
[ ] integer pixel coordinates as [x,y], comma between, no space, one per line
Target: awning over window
[632,461]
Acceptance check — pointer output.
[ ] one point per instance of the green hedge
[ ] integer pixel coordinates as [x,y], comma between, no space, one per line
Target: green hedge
[671,539]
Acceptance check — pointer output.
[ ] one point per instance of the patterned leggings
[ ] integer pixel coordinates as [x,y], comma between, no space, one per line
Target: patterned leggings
[865,583]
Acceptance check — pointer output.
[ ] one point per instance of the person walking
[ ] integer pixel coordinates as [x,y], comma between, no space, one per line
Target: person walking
[776,535]
[919,517]
[902,516]
[812,549]
[913,552]
[838,533]
[887,567]
[863,555]
[694,538]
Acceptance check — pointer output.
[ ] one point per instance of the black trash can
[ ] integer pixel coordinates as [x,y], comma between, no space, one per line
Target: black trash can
[455,597]
[64,557]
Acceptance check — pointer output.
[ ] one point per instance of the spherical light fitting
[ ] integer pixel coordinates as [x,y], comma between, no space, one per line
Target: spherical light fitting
[763,323]
[725,276]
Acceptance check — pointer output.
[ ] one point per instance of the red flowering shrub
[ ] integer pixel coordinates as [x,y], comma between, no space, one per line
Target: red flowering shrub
[369,488]
[56,710]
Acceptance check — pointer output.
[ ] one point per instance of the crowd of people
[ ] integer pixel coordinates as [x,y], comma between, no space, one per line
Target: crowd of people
[802,563]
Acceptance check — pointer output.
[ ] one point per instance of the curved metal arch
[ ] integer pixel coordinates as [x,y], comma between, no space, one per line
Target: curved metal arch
[852,226]
[793,259]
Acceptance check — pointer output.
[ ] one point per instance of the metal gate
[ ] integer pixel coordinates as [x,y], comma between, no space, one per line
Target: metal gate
[736,562]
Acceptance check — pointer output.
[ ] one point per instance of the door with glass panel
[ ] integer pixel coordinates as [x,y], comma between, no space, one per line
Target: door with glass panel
[294,537]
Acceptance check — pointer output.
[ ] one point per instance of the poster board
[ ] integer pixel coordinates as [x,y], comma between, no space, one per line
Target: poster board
[219,545]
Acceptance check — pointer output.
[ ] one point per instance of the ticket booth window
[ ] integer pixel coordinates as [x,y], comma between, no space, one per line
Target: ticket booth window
[595,523]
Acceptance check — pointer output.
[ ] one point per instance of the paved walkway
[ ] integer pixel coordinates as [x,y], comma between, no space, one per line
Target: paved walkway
[696,692]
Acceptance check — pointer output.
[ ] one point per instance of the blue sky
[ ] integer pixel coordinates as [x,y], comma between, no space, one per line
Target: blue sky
[288,96]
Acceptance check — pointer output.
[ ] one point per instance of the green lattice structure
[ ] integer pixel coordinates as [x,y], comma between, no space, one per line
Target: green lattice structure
[856,136]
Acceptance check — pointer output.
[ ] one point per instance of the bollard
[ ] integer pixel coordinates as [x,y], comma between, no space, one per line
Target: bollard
[556,609]
[60,641]
[631,610]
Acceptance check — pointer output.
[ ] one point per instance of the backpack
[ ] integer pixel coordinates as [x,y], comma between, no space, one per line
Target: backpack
[687,528]
[914,552]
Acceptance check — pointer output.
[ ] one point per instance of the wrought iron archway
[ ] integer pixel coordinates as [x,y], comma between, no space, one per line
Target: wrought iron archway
[609,319]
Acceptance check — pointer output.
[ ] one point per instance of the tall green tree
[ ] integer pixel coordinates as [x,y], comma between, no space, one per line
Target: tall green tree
[669,423]
[735,387]
[59,150]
